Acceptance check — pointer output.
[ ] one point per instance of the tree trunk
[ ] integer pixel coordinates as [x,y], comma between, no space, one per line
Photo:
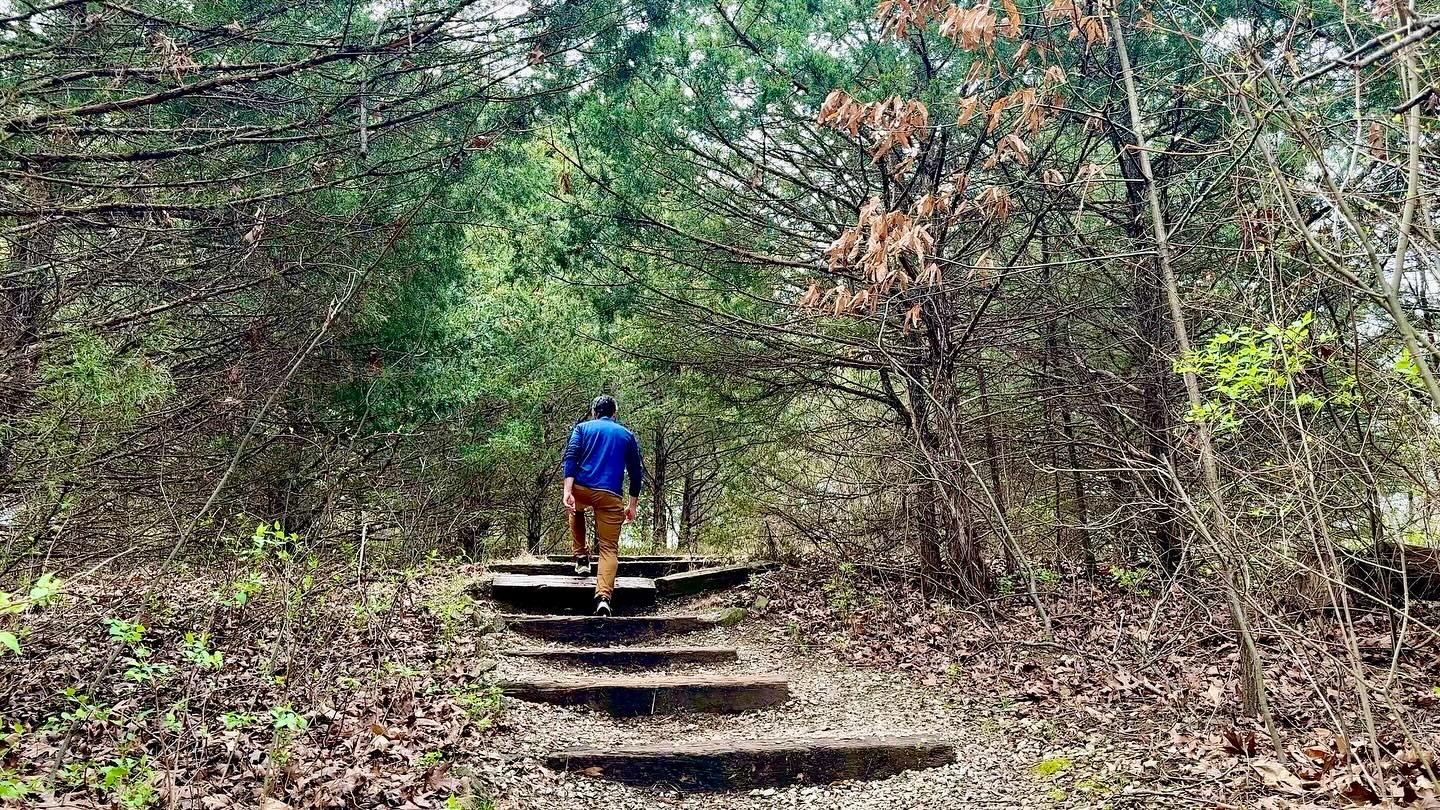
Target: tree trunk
[928,534]
[1153,339]
[472,539]
[22,312]
[929,527]
[1236,579]
[992,460]
[687,510]
[1082,509]
[659,508]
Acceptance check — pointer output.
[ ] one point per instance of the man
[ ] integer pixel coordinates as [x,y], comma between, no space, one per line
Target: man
[601,452]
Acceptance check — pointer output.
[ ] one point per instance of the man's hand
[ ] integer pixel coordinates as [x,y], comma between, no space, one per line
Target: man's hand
[568,499]
[631,509]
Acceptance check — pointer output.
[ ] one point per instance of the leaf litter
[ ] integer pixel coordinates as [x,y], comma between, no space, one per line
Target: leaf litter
[334,693]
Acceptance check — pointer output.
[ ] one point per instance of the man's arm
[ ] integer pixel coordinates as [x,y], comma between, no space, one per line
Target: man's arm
[572,466]
[635,471]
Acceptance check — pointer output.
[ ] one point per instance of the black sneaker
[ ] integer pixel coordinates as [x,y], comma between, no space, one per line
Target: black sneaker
[582,565]
[602,606]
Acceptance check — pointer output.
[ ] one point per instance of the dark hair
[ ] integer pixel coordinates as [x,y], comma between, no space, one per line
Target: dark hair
[604,405]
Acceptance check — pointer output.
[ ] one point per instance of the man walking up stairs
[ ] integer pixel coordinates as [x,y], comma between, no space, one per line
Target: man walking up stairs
[601,453]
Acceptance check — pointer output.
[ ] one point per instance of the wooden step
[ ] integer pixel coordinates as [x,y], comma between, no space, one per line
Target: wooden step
[702,579]
[629,696]
[745,764]
[630,656]
[609,630]
[569,593]
[644,558]
[627,568]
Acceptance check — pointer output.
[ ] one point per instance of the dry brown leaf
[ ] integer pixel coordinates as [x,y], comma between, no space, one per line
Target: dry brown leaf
[968,107]
[997,107]
[1277,776]
[1375,138]
[1012,14]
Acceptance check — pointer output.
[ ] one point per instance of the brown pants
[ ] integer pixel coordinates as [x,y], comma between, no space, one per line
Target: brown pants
[609,511]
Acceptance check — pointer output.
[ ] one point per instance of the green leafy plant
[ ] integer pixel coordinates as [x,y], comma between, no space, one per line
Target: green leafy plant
[468,803]
[126,779]
[44,590]
[401,669]
[196,649]
[234,720]
[1005,585]
[241,590]
[127,632]
[15,787]
[75,774]
[82,707]
[270,539]
[10,734]
[796,633]
[171,721]
[140,669]
[482,705]
[138,666]
[1131,579]
[840,590]
[452,605]
[95,378]
[1094,785]
[1407,368]
[284,717]
[280,752]
[1253,367]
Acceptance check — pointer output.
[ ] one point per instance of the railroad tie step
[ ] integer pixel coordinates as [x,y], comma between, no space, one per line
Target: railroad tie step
[656,694]
[627,568]
[744,764]
[568,593]
[648,657]
[645,558]
[595,630]
[699,580]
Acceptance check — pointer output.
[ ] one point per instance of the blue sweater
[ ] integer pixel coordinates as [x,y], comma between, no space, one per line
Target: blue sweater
[600,452]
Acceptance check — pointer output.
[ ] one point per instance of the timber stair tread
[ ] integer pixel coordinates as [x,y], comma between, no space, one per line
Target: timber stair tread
[646,558]
[569,592]
[632,695]
[611,629]
[649,657]
[627,568]
[699,580]
[744,764]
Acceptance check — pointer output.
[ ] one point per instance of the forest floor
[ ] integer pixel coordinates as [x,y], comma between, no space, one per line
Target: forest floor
[281,686]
